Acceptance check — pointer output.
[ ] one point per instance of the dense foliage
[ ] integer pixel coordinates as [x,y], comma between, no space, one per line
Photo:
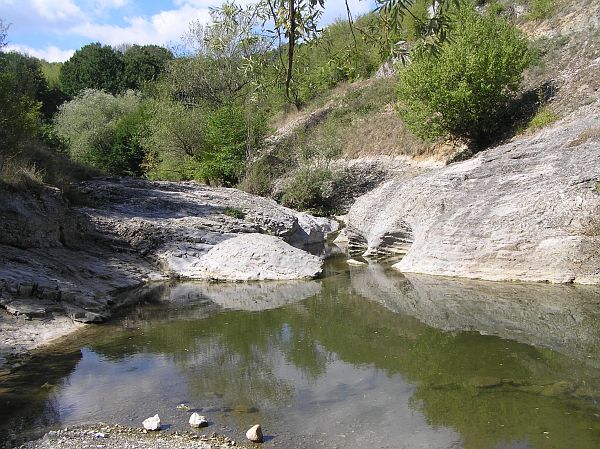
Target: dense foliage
[96,127]
[102,67]
[465,88]
[201,112]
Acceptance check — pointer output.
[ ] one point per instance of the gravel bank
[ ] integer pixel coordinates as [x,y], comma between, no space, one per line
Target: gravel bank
[119,437]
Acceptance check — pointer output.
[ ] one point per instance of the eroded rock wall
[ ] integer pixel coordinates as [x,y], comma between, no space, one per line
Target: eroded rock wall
[525,210]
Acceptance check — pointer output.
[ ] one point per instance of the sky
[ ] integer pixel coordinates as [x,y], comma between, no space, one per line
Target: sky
[54,29]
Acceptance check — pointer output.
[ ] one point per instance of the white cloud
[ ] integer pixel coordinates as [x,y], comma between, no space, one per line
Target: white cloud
[50,54]
[161,28]
[55,11]
[86,18]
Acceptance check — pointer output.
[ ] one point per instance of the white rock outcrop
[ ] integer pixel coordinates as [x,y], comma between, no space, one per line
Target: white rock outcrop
[525,210]
[249,257]
[57,260]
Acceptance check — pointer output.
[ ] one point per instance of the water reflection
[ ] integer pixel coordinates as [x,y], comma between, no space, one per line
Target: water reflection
[362,358]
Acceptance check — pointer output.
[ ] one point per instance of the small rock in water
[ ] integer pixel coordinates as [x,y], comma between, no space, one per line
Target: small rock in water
[255,434]
[183,407]
[152,423]
[197,420]
[355,263]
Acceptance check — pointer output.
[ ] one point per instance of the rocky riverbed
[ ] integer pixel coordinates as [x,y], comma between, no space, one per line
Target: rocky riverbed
[63,264]
[118,437]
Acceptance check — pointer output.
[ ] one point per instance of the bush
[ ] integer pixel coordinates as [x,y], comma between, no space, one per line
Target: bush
[173,141]
[201,144]
[228,140]
[89,123]
[541,9]
[464,90]
[310,189]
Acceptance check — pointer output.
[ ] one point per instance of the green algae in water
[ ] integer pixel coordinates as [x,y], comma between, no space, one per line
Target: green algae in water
[363,358]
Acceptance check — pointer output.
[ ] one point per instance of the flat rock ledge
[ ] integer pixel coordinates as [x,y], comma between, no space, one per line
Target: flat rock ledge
[526,210]
[79,262]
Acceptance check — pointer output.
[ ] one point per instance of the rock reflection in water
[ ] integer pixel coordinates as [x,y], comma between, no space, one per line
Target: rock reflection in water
[320,366]
[565,318]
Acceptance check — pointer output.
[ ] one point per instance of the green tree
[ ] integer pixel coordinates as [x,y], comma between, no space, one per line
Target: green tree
[93,66]
[32,82]
[97,126]
[144,64]
[19,110]
[224,56]
[464,89]
[19,114]
[174,141]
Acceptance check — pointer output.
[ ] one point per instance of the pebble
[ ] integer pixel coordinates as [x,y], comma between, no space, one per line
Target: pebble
[152,423]
[255,434]
[197,420]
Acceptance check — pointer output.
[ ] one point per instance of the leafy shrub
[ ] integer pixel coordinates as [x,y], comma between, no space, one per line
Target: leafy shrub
[88,124]
[541,9]
[234,212]
[309,188]
[226,136]
[173,141]
[127,151]
[464,90]
[204,145]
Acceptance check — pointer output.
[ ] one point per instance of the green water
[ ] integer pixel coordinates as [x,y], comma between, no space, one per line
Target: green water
[364,358]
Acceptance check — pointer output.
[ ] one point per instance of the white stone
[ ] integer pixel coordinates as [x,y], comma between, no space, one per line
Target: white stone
[152,423]
[255,434]
[255,257]
[355,263]
[197,420]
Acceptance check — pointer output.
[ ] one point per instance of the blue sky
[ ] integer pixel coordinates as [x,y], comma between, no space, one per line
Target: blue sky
[54,29]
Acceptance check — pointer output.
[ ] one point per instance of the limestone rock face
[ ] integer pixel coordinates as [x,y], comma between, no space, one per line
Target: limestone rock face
[526,210]
[175,224]
[58,260]
[249,257]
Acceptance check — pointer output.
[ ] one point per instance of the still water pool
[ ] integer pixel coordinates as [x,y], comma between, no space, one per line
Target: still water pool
[364,358]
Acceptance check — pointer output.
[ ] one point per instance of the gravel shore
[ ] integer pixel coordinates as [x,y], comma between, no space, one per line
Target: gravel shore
[120,437]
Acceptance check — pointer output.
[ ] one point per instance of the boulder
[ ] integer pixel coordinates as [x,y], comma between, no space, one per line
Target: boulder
[152,423]
[253,257]
[525,210]
[255,434]
[197,420]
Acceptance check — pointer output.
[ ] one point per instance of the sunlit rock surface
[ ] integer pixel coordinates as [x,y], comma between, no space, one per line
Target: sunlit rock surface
[525,210]
[59,260]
